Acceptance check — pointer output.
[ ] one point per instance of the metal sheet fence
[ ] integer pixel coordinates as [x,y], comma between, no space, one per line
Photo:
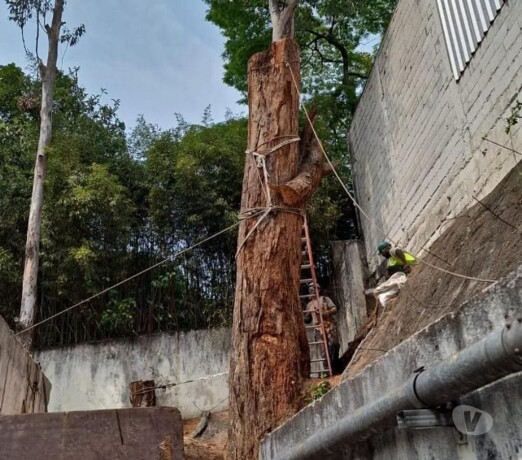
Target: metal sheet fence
[465,23]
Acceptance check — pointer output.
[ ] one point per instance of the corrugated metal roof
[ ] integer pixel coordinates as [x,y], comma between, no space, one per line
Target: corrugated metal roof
[464,23]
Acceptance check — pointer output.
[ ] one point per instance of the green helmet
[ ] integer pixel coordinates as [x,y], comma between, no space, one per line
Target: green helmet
[383,245]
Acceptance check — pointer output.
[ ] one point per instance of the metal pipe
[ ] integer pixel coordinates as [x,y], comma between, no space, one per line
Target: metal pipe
[490,359]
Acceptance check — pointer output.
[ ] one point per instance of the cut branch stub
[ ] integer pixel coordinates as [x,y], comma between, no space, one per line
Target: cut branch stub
[297,191]
[142,393]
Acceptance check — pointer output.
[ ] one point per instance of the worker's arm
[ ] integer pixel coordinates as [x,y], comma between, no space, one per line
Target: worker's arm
[330,309]
[400,254]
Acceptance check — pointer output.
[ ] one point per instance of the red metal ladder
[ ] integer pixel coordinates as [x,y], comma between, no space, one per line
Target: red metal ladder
[308,276]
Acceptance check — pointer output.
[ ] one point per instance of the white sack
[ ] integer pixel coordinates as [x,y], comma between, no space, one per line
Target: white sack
[390,288]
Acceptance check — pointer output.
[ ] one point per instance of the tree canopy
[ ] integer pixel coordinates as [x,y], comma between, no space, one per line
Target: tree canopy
[331,34]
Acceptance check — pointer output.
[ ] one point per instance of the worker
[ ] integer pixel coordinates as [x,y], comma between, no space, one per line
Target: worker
[398,259]
[328,311]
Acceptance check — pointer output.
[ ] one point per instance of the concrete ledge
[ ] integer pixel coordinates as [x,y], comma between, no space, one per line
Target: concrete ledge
[130,434]
[452,333]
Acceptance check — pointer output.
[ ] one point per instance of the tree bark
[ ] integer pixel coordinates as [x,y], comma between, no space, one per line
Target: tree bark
[270,351]
[282,16]
[32,247]
[142,393]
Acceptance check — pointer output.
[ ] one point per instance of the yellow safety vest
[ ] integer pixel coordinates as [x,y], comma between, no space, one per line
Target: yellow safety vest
[394,261]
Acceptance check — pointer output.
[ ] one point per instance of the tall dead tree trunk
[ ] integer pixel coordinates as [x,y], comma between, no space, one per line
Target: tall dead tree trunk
[270,352]
[32,247]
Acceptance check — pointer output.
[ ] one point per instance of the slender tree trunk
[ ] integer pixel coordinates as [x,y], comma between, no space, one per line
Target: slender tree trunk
[282,16]
[270,350]
[32,247]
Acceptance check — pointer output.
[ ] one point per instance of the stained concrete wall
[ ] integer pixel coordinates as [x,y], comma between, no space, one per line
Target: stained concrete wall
[498,305]
[23,386]
[97,376]
[417,135]
[348,286]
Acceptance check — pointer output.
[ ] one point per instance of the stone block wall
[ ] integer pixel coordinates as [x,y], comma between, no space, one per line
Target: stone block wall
[419,157]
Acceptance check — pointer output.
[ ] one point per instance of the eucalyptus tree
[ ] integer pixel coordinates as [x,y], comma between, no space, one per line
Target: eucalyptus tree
[24,13]
[283,170]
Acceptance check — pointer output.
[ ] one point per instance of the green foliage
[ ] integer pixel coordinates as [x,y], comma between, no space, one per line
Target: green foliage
[87,207]
[24,12]
[118,318]
[18,141]
[246,27]
[116,205]
[329,33]
[196,189]
[319,390]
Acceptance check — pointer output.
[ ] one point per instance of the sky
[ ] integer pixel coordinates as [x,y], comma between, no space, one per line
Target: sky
[158,57]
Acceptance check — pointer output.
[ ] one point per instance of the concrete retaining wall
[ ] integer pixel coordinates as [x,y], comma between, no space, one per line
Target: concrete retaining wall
[97,376]
[348,285]
[417,135]
[454,332]
[23,386]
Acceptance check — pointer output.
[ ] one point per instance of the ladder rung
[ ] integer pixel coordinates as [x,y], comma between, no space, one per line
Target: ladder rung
[313,325]
[306,296]
[305,266]
[324,369]
[320,371]
[316,343]
[317,360]
[306,280]
[309,311]
[303,240]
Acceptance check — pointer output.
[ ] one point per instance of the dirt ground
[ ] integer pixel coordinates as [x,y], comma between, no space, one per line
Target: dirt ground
[212,443]
[483,242]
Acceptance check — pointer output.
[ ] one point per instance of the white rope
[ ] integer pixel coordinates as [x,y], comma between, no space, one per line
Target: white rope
[175,384]
[260,159]
[252,230]
[261,164]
